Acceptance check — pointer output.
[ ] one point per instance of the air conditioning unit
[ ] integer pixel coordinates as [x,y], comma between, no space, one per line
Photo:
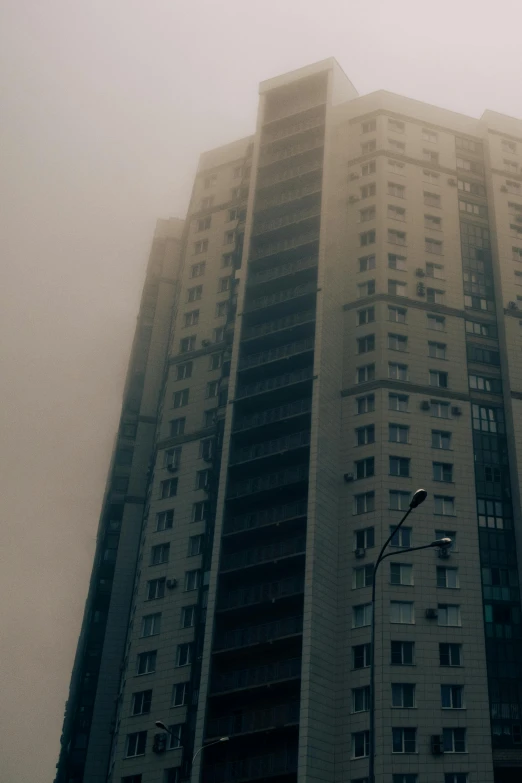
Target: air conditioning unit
[420,272]
[205,343]
[456,410]
[421,290]
[443,552]
[512,306]
[431,614]
[160,743]
[452,182]
[503,189]
[353,200]
[353,176]
[437,746]
[172,468]
[425,405]
[171,583]
[348,477]
[360,553]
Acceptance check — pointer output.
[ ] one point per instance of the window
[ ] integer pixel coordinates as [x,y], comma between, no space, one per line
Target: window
[440,439]
[368,190]
[174,741]
[199,511]
[159,554]
[367,214]
[404,740]
[435,271]
[155,589]
[402,653]
[366,344]
[206,448]
[362,615]
[164,520]
[184,654]
[364,539]
[430,156]
[367,127]
[452,697]
[364,468]
[365,373]
[469,165]
[454,740]
[485,330]
[487,419]
[436,350]
[402,537]
[429,135]
[397,288]
[368,168]
[192,580]
[397,315]
[360,744]
[151,624]
[210,180]
[447,577]
[396,262]
[448,534]
[191,318]
[434,296]
[177,427]
[399,466]
[361,699]
[436,322]
[172,458]
[396,237]
[483,355]
[364,503]
[216,361]
[361,656]
[202,479]
[221,309]
[366,404]
[362,577]
[444,505]
[204,223]
[432,222]
[403,695]
[188,616]
[472,208]
[181,398]
[169,488]
[399,501]
[440,410]
[401,574]
[237,172]
[398,402]
[180,694]
[397,342]
[212,389]
[398,372]
[466,144]
[396,166]
[367,238]
[483,383]
[366,316]
[207,202]
[219,334]
[430,176]
[449,614]
[366,263]
[184,371]
[442,471]
[396,126]
[513,187]
[140,703]
[187,344]
[475,188]
[402,612]
[439,379]
[201,246]
[365,435]
[407,777]
[368,146]
[366,289]
[197,270]
[397,145]
[195,545]
[396,213]
[491,514]
[398,433]
[146,662]
[456,777]
[510,165]
[135,744]
[433,246]
[229,237]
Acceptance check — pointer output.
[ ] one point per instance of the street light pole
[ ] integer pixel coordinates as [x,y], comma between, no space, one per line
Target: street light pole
[160,725]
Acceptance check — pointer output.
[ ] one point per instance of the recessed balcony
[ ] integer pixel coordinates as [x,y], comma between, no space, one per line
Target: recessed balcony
[257,676]
[249,635]
[263,554]
[260,593]
[254,720]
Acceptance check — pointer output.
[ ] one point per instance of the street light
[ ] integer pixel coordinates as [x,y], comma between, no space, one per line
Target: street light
[163,727]
[419,497]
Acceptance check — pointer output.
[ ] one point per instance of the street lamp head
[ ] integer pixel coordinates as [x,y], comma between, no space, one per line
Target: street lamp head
[441,543]
[418,498]
[160,725]
[224,739]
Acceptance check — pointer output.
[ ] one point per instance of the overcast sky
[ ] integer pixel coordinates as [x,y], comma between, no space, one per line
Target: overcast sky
[106,105]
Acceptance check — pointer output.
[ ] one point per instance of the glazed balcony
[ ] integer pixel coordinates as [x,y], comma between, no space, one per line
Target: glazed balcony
[263,554]
[280,297]
[290,220]
[298,146]
[284,351]
[254,720]
[282,270]
[283,174]
[260,593]
[313,117]
[286,247]
[311,189]
[249,635]
[268,765]
[273,415]
[268,448]
[255,676]
[278,324]
[273,383]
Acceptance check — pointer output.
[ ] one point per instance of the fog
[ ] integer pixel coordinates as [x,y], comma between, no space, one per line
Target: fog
[106,105]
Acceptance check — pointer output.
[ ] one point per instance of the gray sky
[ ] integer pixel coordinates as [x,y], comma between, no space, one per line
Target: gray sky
[106,105]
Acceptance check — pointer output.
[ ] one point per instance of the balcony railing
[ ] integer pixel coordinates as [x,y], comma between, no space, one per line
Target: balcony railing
[254,720]
[281,296]
[282,270]
[272,415]
[273,354]
[290,172]
[278,324]
[288,195]
[273,446]
[263,554]
[274,382]
[291,149]
[253,768]
[258,634]
[295,105]
[280,245]
[286,220]
[292,128]
[257,675]
[259,593]
[268,481]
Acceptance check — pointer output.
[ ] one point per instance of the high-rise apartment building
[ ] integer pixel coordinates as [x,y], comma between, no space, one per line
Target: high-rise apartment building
[338,323]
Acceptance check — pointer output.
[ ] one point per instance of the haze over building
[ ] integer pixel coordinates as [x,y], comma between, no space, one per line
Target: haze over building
[337,323]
